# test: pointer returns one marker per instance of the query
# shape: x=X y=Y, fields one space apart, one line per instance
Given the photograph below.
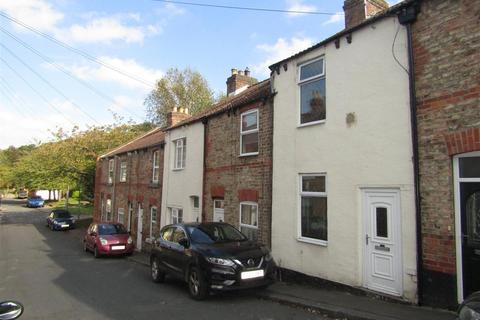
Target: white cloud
x=280 y=50
x=298 y=5
x=36 y=13
x=170 y=10
x=128 y=66
x=337 y=17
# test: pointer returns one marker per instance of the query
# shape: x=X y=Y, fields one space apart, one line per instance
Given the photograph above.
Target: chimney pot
x=234 y=71
x=239 y=79
x=240 y=72
x=247 y=72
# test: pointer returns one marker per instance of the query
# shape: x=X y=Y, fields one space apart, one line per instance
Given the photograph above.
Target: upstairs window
x=311 y=80
x=249 y=133
x=180 y=153
x=156 y=166
x=111 y=167
x=123 y=171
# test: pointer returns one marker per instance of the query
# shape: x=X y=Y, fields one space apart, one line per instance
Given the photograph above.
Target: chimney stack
x=177 y=115
x=357 y=11
x=239 y=81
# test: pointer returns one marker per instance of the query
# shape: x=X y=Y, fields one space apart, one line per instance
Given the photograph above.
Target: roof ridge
x=148 y=133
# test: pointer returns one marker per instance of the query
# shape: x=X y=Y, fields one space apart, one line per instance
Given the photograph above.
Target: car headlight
x=467 y=313
x=103 y=241
x=220 y=261
x=130 y=240
x=55 y=222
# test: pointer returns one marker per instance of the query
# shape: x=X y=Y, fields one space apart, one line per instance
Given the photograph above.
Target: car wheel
x=196 y=284
x=96 y=254
x=157 y=274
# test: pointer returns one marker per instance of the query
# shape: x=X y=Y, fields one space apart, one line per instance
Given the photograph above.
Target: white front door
x=382 y=241
x=139 y=226
x=218 y=211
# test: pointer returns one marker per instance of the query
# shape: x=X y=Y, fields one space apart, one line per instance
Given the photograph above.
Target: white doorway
x=218 y=210
x=139 y=226
x=382 y=241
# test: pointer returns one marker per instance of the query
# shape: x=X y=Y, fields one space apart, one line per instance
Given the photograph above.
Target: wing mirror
x=184 y=242
x=470 y=308
x=10 y=310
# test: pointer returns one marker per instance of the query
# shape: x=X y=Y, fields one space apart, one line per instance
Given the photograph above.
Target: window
x=156 y=166
x=249 y=133
x=109 y=209
x=167 y=233
x=178 y=235
x=180 y=153
x=123 y=171
x=176 y=215
x=153 y=219
x=311 y=81
x=195 y=202
x=111 y=166
x=121 y=215
x=313 y=208
x=102 y=218
x=130 y=215
x=249 y=219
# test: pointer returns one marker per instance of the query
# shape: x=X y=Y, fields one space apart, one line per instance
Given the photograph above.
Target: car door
x=162 y=250
x=178 y=253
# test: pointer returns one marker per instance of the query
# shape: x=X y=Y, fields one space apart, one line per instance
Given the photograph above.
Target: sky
x=61 y=75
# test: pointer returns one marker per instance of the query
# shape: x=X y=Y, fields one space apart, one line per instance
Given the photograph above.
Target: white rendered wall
x=180 y=185
x=376 y=151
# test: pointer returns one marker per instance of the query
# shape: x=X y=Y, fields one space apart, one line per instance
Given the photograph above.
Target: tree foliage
x=68 y=160
x=178 y=89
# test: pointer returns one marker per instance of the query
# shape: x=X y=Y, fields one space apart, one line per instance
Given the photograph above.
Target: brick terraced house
x=128 y=186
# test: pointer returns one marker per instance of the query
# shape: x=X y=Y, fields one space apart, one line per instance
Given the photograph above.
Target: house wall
x=137 y=189
x=236 y=178
x=180 y=185
x=446 y=44
x=374 y=151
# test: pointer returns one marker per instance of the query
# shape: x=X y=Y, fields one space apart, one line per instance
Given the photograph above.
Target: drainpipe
x=114 y=182
x=205 y=132
x=407 y=17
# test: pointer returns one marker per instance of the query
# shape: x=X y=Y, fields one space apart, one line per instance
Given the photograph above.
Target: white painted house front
x=183 y=174
x=343 y=184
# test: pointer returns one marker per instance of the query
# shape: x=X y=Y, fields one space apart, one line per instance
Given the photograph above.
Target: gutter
x=406 y=17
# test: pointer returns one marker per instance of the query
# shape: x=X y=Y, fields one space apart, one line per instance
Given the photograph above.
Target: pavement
x=338 y=304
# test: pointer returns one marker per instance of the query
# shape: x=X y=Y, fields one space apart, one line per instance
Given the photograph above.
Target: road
x=51 y=275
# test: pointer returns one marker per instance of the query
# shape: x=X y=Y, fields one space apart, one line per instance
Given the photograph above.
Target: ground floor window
x=153 y=219
x=249 y=219
x=121 y=216
x=313 y=208
x=176 y=215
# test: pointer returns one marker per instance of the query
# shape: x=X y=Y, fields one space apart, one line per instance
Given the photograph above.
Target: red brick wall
x=137 y=189
x=239 y=178
x=446 y=43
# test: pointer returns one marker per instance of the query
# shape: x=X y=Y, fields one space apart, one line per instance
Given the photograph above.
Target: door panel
x=139 y=227
x=382 y=246
x=470 y=218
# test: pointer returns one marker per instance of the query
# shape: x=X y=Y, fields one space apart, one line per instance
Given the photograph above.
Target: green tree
x=178 y=89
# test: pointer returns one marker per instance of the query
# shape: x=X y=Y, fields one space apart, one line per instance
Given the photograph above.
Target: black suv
x=210 y=257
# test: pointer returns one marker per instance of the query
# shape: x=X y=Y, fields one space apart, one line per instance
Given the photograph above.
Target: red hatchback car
x=108 y=239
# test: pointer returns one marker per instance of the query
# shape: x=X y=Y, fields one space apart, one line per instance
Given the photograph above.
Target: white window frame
x=174 y=214
x=152 y=221
x=179 y=151
x=121 y=212
x=310 y=194
x=242 y=133
x=123 y=171
x=111 y=170
x=305 y=81
x=249 y=203
x=130 y=215
x=156 y=166
x=108 y=210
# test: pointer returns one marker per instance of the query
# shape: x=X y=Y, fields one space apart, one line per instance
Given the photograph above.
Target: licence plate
x=118 y=247
x=65 y=226
x=252 y=274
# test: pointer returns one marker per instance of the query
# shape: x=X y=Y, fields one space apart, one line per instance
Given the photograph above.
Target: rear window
x=108 y=229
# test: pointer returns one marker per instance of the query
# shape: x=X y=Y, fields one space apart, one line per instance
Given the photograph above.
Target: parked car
x=22 y=194
x=60 y=219
x=108 y=239
x=35 y=202
x=10 y=310
x=470 y=308
x=210 y=257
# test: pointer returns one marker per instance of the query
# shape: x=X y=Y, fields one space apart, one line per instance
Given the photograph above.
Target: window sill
x=248 y=226
x=308 y=124
x=177 y=169
x=154 y=185
x=248 y=154
x=318 y=242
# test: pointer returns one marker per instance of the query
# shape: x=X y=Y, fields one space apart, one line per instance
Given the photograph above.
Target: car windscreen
x=61 y=214
x=108 y=229
x=214 y=233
